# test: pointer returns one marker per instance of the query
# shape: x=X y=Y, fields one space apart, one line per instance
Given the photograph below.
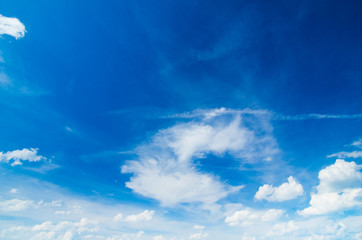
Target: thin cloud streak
x=211 y=113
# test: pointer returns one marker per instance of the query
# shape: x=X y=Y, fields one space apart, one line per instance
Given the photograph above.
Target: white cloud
x=159 y=237
x=127 y=236
x=11 y=26
x=339 y=189
x=165 y=167
x=13 y=190
x=4 y=80
x=15 y=205
x=249 y=216
x=283 y=228
x=118 y=217
x=18 y=156
x=247 y=237
x=357 y=143
x=199 y=235
x=198 y=227
x=287 y=191
x=354 y=154
x=144 y=216
x=64 y=230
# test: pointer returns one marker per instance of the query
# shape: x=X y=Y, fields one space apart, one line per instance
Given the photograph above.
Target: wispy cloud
x=165 y=167
x=316 y=116
x=11 y=26
x=353 y=154
x=214 y=112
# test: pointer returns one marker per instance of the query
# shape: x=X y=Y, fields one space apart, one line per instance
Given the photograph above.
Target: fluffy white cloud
x=287 y=191
x=146 y=215
x=171 y=183
x=143 y=216
x=165 y=171
x=64 y=230
x=249 y=216
x=339 y=189
x=15 y=205
x=11 y=26
x=19 y=156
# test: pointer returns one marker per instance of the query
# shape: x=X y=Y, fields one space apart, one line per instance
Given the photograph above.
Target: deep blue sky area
x=186 y=108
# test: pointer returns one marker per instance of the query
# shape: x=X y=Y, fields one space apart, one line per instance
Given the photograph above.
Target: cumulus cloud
x=15 y=205
x=64 y=229
x=144 y=216
x=17 y=157
x=287 y=191
x=11 y=26
x=165 y=167
x=339 y=189
x=249 y=216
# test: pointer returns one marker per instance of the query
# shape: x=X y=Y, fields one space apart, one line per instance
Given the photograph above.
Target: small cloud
x=11 y=26
x=18 y=156
x=144 y=216
x=159 y=237
x=4 y=79
x=69 y=129
x=199 y=235
x=14 y=190
x=249 y=217
x=118 y=217
x=62 y=212
x=357 y=143
x=283 y=228
x=56 y=203
x=287 y=191
x=14 y=205
x=198 y=227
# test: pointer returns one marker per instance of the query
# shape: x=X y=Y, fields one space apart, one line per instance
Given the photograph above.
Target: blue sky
x=180 y=120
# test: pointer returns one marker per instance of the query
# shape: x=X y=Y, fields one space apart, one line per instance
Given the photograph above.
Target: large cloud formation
x=340 y=188
x=165 y=170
